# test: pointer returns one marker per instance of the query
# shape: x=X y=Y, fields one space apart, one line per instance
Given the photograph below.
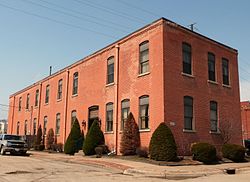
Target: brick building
x=245 y=117
x=161 y=72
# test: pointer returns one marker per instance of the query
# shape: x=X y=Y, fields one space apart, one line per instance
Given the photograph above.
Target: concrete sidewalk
x=135 y=168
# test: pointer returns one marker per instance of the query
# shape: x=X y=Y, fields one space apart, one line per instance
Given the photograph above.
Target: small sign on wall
x=172 y=123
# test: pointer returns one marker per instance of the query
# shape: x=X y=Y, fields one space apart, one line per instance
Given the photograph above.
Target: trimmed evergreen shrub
x=204 y=152
x=234 y=152
x=130 y=137
x=50 y=138
x=38 y=140
x=162 y=145
x=74 y=140
x=93 y=138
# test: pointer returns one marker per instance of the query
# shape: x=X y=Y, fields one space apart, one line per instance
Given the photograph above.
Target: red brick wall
x=177 y=85
x=245 y=117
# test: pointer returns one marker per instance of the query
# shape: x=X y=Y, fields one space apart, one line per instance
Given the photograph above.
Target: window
x=109 y=117
x=28 y=101
x=225 y=71
x=188 y=113
x=25 y=127
x=36 y=98
x=18 y=128
x=214 y=116
x=20 y=104
x=59 y=90
x=125 y=112
x=34 y=126
x=73 y=117
x=45 y=121
x=75 y=84
x=144 y=112
x=187 y=58
x=110 y=70
x=58 y=124
x=211 y=67
x=144 y=57
x=47 y=95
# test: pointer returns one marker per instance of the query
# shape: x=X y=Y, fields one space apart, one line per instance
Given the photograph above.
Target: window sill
x=75 y=95
x=108 y=132
x=35 y=107
x=188 y=131
x=58 y=100
x=215 y=132
x=46 y=104
x=144 y=130
x=226 y=86
x=212 y=82
x=110 y=84
x=187 y=75
x=143 y=74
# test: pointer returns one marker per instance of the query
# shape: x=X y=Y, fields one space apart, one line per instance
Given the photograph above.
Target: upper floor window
x=28 y=101
x=59 y=90
x=188 y=113
x=75 y=84
x=58 y=123
x=73 y=117
x=187 y=58
x=36 y=98
x=45 y=122
x=110 y=70
x=225 y=71
x=25 y=127
x=18 y=128
x=211 y=67
x=144 y=112
x=144 y=57
x=125 y=112
x=109 y=117
x=214 y=116
x=20 y=104
x=47 y=95
x=34 y=126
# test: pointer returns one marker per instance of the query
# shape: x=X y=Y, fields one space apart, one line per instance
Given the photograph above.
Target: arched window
x=18 y=128
x=144 y=112
x=47 y=95
x=125 y=105
x=73 y=117
x=110 y=70
x=75 y=84
x=25 y=127
x=214 y=116
x=58 y=119
x=144 y=57
x=45 y=122
x=109 y=117
x=211 y=67
x=187 y=58
x=188 y=113
x=59 y=89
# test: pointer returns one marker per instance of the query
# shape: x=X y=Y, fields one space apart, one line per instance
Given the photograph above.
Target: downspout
x=66 y=106
x=39 y=105
x=116 y=95
x=13 y=111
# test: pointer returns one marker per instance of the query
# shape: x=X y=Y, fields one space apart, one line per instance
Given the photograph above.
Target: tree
x=39 y=135
x=162 y=145
x=93 y=138
x=130 y=137
x=226 y=131
x=74 y=141
x=50 y=138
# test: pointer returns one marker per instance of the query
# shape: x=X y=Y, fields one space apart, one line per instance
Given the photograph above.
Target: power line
x=84 y=14
x=74 y=16
x=57 y=21
x=111 y=11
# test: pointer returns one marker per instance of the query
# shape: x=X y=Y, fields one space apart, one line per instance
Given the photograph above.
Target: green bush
x=233 y=152
x=74 y=141
x=204 y=152
x=130 y=137
x=94 y=138
x=162 y=145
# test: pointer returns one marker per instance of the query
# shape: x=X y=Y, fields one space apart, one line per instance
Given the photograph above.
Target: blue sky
x=36 y=34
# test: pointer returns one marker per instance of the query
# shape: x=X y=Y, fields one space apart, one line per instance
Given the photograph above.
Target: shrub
x=142 y=152
x=162 y=145
x=94 y=138
x=38 y=140
x=50 y=139
x=233 y=152
x=204 y=152
x=130 y=137
x=74 y=140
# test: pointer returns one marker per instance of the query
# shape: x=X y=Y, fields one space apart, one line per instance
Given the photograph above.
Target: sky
x=37 y=34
